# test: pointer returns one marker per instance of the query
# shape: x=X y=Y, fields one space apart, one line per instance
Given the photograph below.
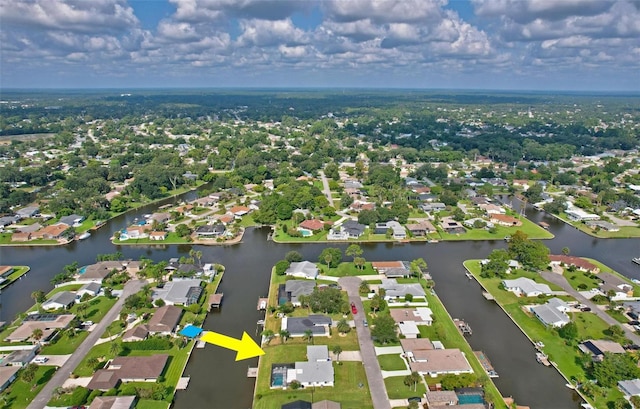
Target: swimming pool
x=82 y=270
x=467 y=399
x=305 y=232
x=279 y=375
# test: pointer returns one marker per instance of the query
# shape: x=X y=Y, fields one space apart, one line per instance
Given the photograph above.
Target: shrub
x=149 y=344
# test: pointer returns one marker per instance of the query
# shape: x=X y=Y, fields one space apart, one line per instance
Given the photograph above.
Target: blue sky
x=466 y=44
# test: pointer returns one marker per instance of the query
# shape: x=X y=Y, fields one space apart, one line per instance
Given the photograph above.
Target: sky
x=586 y=45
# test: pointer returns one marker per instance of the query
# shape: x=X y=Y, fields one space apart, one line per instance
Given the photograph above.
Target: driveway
x=64 y=372
x=559 y=279
x=371 y=365
x=326 y=190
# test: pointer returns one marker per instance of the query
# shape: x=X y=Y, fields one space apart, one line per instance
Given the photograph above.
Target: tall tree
x=417 y=266
x=354 y=251
x=337 y=350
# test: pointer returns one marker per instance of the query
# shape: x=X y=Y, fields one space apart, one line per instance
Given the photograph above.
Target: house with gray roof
x=72 y=220
x=297 y=326
x=317 y=353
x=92 y=288
x=165 y=320
x=27 y=212
x=397 y=231
x=296 y=288
x=302 y=269
x=526 y=287
x=630 y=387
x=314 y=373
x=63 y=299
x=183 y=292
x=20 y=357
x=550 y=315
x=8 y=374
x=353 y=229
x=395 y=290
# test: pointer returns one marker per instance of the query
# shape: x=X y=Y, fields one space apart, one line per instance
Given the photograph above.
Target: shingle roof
x=165 y=319
x=62 y=298
x=315 y=323
x=314 y=372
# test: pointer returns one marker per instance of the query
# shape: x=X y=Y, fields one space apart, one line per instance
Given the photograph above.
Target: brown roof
x=503 y=218
x=312 y=224
x=24 y=331
x=139 y=367
x=574 y=261
x=215 y=298
x=440 y=361
x=104 y=379
x=226 y=218
x=416 y=344
x=54 y=230
x=101 y=269
x=158 y=234
x=383 y=265
x=4 y=269
x=21 y=237
x=423 y=225
x=441 y=397
x=113 y=402
x=6 y=372
x=239 y=209
x=165 y=319
x=405 y=314
x=136 y=333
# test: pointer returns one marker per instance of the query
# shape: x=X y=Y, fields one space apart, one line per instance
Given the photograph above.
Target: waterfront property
x=48 y=323
x=128 y=369
x=179 y=291
x=297 y=326
x=553 y=313
x=525 y=287
x=302 y=269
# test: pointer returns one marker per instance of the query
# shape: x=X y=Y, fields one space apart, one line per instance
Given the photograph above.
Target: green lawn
x=624 y=232
x=532 y=230
x=152 y=404
x=5 y=238
x=18 y=272
x=65 y=345
x=97 y=308
x=391 y=362
x=21 y=393
x=348 y=269
x=580 y=280
x=396 y=389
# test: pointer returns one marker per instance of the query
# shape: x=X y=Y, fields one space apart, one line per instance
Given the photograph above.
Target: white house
x=553 y=313
x=525 y=287
x=578 y=215
x=92 y=288
x=630 y=388
x=302 y=269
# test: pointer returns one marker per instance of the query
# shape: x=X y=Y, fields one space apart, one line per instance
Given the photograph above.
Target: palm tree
x=359 y=262
x=566 y=251
x=114 y=348
x=37 y=335
x=82 y=309
x=364 y=287
x=343 y=326
x=267 y=334
x=38 y=297
x=284 y=335
x=412 y=379
x=337 y=350
x=308 y=336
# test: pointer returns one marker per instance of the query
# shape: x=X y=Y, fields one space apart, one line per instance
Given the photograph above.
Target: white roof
x=527 y=285
x=549 y=315
x=408 y=328
x=632 y=387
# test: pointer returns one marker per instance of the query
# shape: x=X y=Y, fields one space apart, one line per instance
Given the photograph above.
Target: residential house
x=100 y=270
x=526 y=287
x=61 y=300
x=137 y=333
x=184 y=292
x=417 y=344
x=421 y=229
x=438 y=362
x=504 y=220
x=136 y=232
x=27 y=212
x=8 y=374
x=295 y=288
x=600 y=224
x=420 y=315
x=92 y=288
x=48 y=323
x=51 y=232
x=21 y=237
x=597 y=348
x=358 y=206
x=210 y=231
x=158 y=218
x=441 y=398
x=206 y=201
x=165 y=320
x=73 y=220
x=303 y=269
x=297 y=404
x=353 y=229
x=312 y=224
x=578 y=215
x=317 y=353
x=226 y=219
x=577 y=262
x=239 y=211
x=383 y=266
x=128 y=369
x=395 y=290
x=433 y=206
x=630 y=387
x=113 y=402
x=492 y=209
x=316 y=323
x=7 y=221
x=313 y=374
x=615 y=287
x=20 y=357
x=408 y=329
x=552 y=314
x=451 y=226
x=397 y=231
x=158 y=235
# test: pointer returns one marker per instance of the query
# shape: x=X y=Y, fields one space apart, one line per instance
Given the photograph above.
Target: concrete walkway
x=559 y=279
x=58 y=379
x=369 y=360
x=389 y=350
x=391 y=374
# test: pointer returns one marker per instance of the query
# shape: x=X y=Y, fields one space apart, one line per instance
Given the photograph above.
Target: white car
x=40 y=360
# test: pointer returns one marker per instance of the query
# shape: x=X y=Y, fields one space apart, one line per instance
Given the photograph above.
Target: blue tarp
x=190 y=331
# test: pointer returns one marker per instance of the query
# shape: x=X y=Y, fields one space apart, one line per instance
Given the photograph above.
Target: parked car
x=354 y=309
x=40 y=360
x=365 y=323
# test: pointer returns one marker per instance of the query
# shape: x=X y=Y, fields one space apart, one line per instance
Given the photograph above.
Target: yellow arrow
x=246 y=347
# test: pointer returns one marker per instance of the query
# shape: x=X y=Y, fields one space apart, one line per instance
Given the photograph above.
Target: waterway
x=217 y=381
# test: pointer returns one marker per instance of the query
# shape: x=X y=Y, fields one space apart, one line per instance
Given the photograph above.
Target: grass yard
x=392 y=362
x=152 y=404
x=97 y=308
x=65 y=344
x=580 y=280
x=624 y=232
x=5 y=238
x=21 y=393
x=396 y=389
x=348 y=269
x=532 y=230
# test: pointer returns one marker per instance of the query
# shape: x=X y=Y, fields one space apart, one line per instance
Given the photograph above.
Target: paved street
x=369 y=359
x=559 y=279
x=63 y=373
x=326 y=190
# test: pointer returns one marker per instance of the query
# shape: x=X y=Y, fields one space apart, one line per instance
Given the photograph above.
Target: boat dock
x=200 y=344
x=183 y=383
x=486 y=364
x=544 y=225
x=262 y=304
x=215 y=300
x=542 y=359
x=463 y=327
x=252 y=372
x=488 y=296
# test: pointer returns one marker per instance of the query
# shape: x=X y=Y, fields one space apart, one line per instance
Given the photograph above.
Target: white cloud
x=264 y=33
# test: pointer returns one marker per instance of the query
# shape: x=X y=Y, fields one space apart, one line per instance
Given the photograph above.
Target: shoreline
x=553 y=364
x=16 y=277
x=235 y=240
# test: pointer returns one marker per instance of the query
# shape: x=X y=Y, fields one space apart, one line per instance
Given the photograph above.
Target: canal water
x=217 y=381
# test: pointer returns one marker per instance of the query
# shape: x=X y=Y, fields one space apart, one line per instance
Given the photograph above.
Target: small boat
x=84 y=235
x=544 y=225
x=542 y=359
x=636 y=260
x=469 y=275
x=635 y=281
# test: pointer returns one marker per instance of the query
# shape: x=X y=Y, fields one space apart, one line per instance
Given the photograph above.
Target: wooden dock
x=463 y=327
x=486 y=364
x=215 y=300
x=262 y=304
x=252 y=372
x=488 y=296
x=200 y=344
x=542 y=359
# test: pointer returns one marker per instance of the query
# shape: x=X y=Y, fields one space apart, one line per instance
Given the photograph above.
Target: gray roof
x=632 y=387
x=527 y=285
x=393 y=289
x=22 y=357
x=315 y=323
x=298 y=288
x=28 y=211
x=71 y=219
x=306 y=268
x=297 y=404
x=549 y=315
x=314 y=372
x=63 y=298
x=317 y=353
x=176 y=292
x=92 y=286
x=353 y=227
